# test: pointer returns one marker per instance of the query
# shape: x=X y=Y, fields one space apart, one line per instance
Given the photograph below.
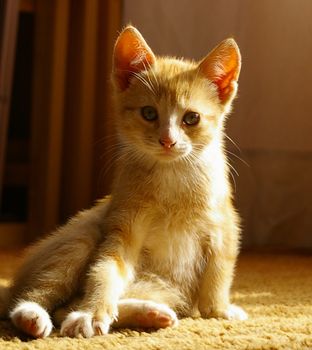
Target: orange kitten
x=164 y=244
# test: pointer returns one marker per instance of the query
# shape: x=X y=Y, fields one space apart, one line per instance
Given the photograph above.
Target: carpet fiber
x=276 y=291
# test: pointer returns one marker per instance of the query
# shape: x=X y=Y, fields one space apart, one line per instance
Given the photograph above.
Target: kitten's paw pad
x=32 y=319
x=153 y=315
x=77 y=323
x=235 y=312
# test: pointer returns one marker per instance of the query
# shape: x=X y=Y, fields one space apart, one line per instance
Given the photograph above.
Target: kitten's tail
x=4 y=301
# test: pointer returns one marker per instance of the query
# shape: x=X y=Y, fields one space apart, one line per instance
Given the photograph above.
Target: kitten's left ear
x=131 y=55
x=222 y=67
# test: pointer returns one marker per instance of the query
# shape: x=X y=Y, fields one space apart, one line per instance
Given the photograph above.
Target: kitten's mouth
x=170 y=154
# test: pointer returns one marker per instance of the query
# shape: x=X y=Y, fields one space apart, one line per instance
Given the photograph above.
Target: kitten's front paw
x=235 y=312
x=32 y=319
x=77 y=323
x=82 y=323
x=232 y=312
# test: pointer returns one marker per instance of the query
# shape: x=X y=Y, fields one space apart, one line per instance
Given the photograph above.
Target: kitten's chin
x=170 y=156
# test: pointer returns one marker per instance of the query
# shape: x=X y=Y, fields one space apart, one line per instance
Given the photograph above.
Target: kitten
x=164 y=244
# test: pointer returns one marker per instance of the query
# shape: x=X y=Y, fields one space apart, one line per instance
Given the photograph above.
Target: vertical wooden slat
x=110 y=12
x=8 y=31
x=27 y=6
x=80 y=101
x=74 y=39
x=52 y=18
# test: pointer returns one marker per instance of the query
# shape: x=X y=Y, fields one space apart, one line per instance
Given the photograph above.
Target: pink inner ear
x=131 y=55
x=222 y=67
x=224 y=84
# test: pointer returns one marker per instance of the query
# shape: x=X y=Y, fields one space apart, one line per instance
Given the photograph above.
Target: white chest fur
x=175 y=224
x=172 y=251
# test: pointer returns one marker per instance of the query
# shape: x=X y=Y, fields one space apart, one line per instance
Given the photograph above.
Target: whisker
x=234 y=182
x=144 y=82
x=108 y=165
x=236 y=156
x=149 y=79
x=228 y=137
x=141 y=79
x=231 y=166
x=152 y=70
x=154 y=75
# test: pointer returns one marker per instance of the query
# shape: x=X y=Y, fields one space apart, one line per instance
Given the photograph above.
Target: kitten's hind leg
x=52 y=271
x=32 y=319
x=133 y=313
x=144 y=314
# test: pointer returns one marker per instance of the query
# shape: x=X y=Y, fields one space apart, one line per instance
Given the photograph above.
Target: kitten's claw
x=100 y=328
x=81 y=323
x=77 y=323
x=32 y=319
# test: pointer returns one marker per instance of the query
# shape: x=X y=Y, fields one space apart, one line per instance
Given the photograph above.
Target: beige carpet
x=276 y=291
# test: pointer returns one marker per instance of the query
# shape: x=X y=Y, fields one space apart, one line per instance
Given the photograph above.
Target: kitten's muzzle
x=167 y=142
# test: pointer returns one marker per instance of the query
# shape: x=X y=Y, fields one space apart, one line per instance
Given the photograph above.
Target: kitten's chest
x=173 y=249
x=174 y=226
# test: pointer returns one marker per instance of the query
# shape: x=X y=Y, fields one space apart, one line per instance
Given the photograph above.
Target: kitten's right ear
x=131 y=55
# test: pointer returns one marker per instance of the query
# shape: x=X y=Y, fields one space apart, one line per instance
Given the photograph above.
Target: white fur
x=235 y=312
x=32 y=319
x=81 y=323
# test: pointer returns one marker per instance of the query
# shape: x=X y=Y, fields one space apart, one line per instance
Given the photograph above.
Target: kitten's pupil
x=149 y=113
x=191 y=118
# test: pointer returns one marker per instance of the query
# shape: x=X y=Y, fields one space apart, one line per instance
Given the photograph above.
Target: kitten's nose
x=167 y=142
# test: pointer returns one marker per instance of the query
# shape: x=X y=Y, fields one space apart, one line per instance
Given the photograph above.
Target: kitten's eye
x=149 y=113
x=191 y=118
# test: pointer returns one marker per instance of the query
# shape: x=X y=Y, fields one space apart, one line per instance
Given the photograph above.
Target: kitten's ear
x=222 y=67
x=131 y=55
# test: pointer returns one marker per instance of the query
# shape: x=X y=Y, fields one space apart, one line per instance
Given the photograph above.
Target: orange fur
x=169 y=232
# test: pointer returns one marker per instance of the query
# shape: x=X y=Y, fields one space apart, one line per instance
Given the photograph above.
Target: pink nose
x=167 y=142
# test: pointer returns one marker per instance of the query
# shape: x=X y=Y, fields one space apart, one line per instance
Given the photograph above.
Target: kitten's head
x=167 y=108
